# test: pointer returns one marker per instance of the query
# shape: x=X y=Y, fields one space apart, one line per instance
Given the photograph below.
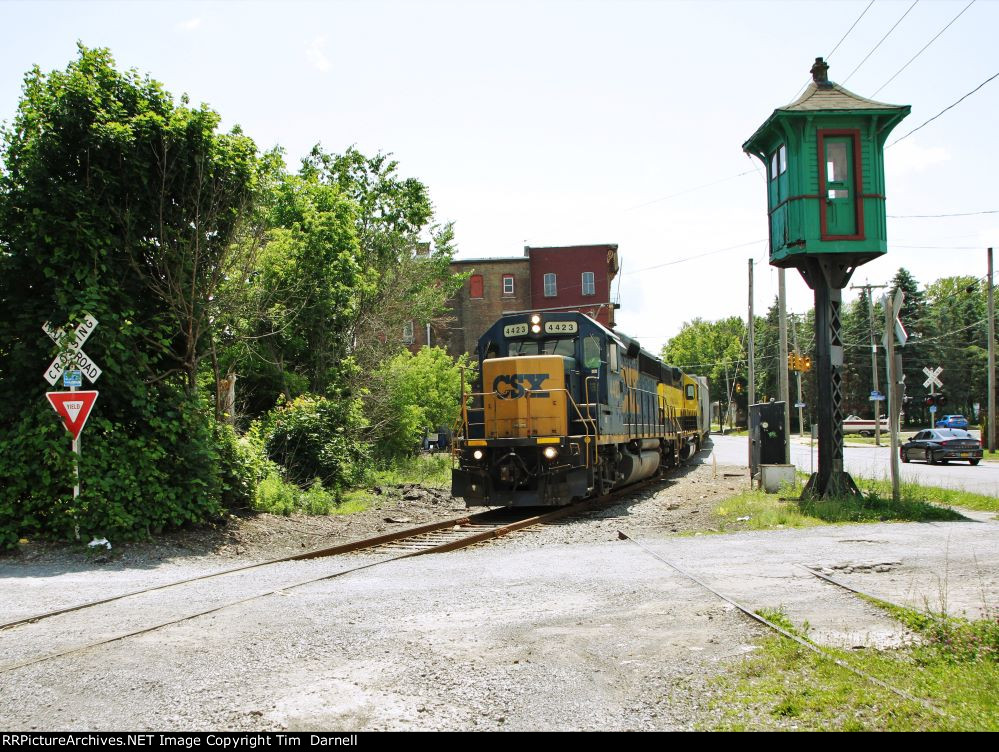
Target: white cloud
x=316 y=55
x=908 y=157
x=191 y=24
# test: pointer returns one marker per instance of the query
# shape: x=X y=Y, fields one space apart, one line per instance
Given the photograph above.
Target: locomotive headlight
x=535 y=319
x=550 y=453
x=477 y=454
x=536 y=328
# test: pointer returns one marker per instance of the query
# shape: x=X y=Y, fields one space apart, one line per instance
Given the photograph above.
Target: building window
x=550 y=288
x=407 y=333
x=475 y=286
x=589 y=285
x=508 y=284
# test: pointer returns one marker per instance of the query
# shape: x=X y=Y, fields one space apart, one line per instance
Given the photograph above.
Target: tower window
x=589 y=285
x=551 y=289
x=508 y=284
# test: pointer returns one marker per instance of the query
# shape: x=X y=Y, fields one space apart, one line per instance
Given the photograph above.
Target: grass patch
x=783 y=685
x=917 y=504
x=947 y=496
x=432 y=470
x=277 y=496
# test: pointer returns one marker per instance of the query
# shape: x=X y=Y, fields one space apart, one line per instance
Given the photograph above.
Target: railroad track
x=438 y=537
x=790 y=635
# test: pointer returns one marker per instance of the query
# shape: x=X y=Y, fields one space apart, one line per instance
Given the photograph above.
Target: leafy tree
x=117 y=201
x=294 y=336
x=715 y=349
x=405 y=255
x=957 y=320
x=413 y=393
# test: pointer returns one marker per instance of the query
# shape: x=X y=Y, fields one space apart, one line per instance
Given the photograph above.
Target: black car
x=942 y=445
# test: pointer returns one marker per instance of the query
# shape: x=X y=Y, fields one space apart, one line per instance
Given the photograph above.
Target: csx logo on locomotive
x=515 y=386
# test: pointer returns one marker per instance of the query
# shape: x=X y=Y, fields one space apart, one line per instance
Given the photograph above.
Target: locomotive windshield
x=563 y=346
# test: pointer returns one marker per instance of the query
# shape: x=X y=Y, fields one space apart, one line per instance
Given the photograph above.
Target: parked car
x=952 y=421
x=942 y=445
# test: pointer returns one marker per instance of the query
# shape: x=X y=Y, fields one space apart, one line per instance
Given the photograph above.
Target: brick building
x=576 y=278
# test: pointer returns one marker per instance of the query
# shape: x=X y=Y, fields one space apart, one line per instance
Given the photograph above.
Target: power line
x=697 y=256
x=935 y=216
x=924 y=48
x=863 y=13
x=851 y=29
x=994 y=76
x=688 y=190
x=873 y=49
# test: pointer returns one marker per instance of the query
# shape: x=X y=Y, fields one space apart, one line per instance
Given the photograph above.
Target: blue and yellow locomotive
x=565 y=408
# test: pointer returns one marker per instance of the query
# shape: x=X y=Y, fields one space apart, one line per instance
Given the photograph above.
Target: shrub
x=314 y=438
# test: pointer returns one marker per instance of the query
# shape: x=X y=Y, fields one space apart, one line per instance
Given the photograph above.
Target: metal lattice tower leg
x=827 y=277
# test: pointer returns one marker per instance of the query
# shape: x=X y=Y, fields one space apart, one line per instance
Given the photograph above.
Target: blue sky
x=557 y=123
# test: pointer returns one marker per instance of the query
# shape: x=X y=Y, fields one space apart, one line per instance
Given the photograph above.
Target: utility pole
x=892 y=387
x=751 y=391
x=992 y=361
x=801 y=410
x=782 y=362
x=874 y=357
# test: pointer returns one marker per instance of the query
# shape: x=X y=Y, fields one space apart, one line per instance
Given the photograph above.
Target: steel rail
x=318 y=553
x=790 y=635
x=451 y=545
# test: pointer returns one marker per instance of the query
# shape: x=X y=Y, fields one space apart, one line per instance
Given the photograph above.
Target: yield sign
x=74 y=408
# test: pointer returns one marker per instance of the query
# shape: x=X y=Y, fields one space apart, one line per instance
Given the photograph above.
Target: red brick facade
x=485 y=297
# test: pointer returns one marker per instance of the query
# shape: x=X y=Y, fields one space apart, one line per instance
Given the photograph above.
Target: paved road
x=873 y=462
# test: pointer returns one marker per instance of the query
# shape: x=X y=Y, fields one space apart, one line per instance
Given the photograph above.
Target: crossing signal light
x=941 y=399
x=929 y=400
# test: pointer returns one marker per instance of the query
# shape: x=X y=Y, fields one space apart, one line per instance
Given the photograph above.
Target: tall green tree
x=118 y=201
x=405 y=254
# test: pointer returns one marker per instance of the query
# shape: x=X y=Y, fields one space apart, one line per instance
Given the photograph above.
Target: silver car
x=940 y=445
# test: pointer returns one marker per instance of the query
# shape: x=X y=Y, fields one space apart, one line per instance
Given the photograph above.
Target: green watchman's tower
x=824 y=159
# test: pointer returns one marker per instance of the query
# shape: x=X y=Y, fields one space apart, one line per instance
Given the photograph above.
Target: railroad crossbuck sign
x=74 y=409
x=76 y=357
x=901 y=336
x=933 y=377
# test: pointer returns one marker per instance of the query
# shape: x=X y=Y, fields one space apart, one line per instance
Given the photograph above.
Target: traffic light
x=806 y=363
x=738 y=388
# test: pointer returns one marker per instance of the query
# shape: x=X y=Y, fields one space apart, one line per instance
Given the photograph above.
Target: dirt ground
x=688 y=497
x=562 y=626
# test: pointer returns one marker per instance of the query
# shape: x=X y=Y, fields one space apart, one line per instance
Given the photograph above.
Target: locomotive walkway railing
x=589 y=423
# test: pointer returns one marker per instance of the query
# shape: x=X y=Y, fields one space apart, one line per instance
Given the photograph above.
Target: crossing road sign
x=74 y=409
x=76 y=358
x=932 y=377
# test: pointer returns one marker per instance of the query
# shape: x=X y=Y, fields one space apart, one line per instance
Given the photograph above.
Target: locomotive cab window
x=612 y=357
x=591 y=351
x=691 y=392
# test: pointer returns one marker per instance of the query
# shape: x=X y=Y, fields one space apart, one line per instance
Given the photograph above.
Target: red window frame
x=858 y=179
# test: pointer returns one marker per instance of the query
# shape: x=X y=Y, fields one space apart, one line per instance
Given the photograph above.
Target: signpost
x=72 y=364
x=931 y=383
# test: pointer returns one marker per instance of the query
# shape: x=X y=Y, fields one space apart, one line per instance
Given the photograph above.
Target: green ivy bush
x=314 y=438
